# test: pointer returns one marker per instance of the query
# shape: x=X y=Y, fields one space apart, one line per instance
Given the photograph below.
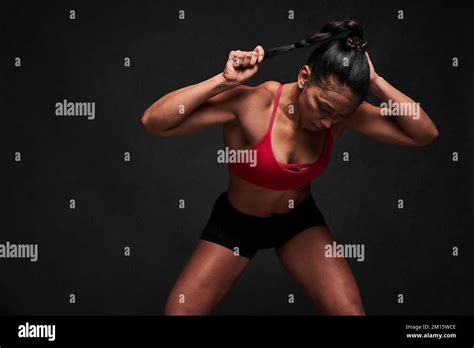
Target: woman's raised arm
x=210 y=102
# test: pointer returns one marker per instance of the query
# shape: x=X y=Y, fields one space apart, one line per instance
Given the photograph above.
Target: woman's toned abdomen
x=259 y=201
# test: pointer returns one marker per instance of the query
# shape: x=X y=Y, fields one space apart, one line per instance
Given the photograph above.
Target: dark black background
x=136 y=203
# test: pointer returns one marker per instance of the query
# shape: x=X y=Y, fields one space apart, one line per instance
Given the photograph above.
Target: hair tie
x=356 y=42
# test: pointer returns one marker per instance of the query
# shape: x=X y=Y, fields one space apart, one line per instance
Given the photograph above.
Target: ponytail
x=318 y=38
x=329 y=32
x=339 y=54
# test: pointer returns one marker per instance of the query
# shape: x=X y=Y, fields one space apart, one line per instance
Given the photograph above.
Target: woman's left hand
x=373 y=74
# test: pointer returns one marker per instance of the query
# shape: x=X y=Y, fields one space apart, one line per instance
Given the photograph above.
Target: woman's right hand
x=242 y=65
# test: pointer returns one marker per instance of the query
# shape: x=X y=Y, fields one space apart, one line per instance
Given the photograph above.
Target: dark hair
x=340 y=54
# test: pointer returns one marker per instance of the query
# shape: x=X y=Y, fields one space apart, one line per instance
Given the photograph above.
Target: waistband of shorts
x=301 y=207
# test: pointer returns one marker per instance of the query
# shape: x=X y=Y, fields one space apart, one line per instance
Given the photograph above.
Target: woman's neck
x=289 y=97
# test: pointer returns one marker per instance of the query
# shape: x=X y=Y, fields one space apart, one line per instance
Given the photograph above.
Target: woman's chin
x=313 y=128
x=310 y=127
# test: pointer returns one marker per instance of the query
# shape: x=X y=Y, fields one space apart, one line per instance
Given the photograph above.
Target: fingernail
x=260 y=58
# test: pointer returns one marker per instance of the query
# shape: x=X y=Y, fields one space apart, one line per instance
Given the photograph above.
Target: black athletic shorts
x=245 y=234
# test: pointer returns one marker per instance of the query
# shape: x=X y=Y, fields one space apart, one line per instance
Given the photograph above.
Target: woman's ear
x=304 y=76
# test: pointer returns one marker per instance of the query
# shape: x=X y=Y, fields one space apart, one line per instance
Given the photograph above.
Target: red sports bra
x=271 y=174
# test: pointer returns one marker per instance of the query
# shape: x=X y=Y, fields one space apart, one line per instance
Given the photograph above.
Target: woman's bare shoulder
x=258 y=97
x=270 y=87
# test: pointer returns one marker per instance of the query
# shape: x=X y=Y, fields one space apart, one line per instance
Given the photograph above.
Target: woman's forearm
x=408 y=113
x=174 y=107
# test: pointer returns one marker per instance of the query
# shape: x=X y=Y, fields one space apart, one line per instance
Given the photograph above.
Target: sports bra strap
x=275 y=106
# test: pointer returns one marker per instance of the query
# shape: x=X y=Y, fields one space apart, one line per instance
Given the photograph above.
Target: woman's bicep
x=220 y=109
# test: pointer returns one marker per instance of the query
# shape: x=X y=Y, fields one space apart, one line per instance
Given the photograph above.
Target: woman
x=291 y=128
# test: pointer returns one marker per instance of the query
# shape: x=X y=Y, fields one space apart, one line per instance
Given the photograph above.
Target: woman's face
x=322 y=107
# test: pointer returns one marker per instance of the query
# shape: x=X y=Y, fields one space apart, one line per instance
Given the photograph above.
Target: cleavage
x=300 y=146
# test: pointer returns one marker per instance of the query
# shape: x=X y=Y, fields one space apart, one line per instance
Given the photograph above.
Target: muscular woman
x=291 y=127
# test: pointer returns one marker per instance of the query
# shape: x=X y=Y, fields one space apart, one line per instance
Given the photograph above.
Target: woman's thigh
x=205 y=279
x=328 y=281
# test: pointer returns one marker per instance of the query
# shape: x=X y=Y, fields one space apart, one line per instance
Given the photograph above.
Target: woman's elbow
x=149 y=125
x=433 y=135
x=145 y=117
x=429 y=138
